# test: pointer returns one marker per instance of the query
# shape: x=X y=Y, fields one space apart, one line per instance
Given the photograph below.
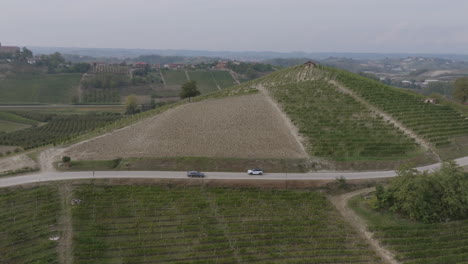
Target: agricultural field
x=159 y=224
x=438 y=124
x=58 y=129
x=39 y=89
x=28 y=219
x=223 y=78
x=174 y=77
x=337 y=126
x=205 y=81
x=415 y=242
x=101 y=96
x=10 y=127
x=240 y=126
x=14 y=118
x=38 y=113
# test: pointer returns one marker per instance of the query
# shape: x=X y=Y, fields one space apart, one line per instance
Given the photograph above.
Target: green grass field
x=415 y=242
x=35 y=89
x=154 y=224
x=28 y=218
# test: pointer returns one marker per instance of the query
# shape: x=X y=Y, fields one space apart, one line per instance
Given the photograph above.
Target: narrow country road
x=55 y=176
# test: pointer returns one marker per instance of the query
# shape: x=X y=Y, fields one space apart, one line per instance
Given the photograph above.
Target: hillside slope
x=336 y=118
x=241 y=127
x=344 y=116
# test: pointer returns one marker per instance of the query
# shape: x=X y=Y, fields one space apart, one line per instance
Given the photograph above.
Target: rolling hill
x=341 y=120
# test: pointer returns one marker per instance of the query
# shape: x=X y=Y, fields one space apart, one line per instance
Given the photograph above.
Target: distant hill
x=236 y=55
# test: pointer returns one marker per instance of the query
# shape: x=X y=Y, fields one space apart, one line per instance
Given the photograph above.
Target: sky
x=382 y=26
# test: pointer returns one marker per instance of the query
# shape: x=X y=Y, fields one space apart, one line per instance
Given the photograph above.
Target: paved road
x=43 y=177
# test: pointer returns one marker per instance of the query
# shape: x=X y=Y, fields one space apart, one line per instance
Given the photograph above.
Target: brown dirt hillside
x=243 y=127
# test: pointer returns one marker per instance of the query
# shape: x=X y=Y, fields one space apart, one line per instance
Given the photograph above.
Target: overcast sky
x=409 y=26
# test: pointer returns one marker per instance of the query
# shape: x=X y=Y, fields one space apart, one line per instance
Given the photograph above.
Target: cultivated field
x=152 y=224
x=223 y=78
x=10 y=127
x=438 y=124
x=174 y=77
x=28 y=219
x=205 y=81
x=337 y=126
x=30 y=88
x=415 y=242
x=57 y=129
x=242 y=127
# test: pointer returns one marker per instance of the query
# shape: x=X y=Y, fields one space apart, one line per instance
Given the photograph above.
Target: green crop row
x=436 y=123
x=416 y=242
x=28 y=218
x=135 y=224
x=60 y=128
x=335 y=125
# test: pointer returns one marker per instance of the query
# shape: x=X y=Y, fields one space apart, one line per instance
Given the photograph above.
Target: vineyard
x=223 y=78
x=36 y=88
x=174 y=77
x=151 y=224
x=28 y=219
x=415 y=242
x=438 y=124
x=334 y=124
x=59 y=129
x=205 y=81
x=15 y=118
x=110 y=69
x=101 y=96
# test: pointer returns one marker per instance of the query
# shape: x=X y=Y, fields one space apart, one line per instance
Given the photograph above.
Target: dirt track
x=243 y=127
x=341 y=203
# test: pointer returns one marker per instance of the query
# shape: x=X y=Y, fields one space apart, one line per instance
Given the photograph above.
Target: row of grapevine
x=438 y=124
x=28 y=219
x=335 y=125
x=101 y=96
x=415 y=242
x=59 y=129
x=150 y=224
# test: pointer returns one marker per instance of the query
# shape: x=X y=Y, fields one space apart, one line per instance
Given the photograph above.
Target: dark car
x=195 y=174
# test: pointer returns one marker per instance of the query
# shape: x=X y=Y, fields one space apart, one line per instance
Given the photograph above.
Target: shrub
x=427 y=197
x=66 y=159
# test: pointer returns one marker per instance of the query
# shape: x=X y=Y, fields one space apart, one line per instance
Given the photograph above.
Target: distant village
x=9 y=53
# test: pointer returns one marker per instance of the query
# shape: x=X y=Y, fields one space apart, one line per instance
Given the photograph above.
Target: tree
x=189 y=90
x=438 y=196
x=130 y=105
x=461 y=90
x=66 y=159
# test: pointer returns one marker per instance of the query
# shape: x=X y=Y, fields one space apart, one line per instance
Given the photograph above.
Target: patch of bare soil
x=16 y=162
x=243 y=127
x=341 y=203
x=48 y=157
